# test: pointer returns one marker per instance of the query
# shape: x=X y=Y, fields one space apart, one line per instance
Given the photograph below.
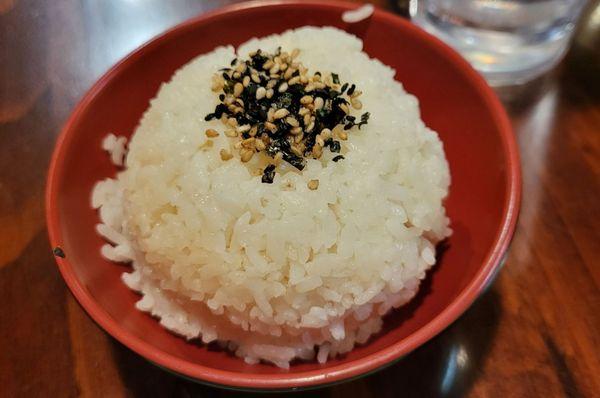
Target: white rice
x=360 y=14
x=276 y=273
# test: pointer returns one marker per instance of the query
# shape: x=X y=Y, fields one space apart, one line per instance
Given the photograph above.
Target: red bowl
x=455 y=101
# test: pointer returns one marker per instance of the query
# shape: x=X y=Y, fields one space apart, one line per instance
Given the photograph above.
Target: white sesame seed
x=260 y=145
x=231 y=133
x=246 y=81
x=295 y=53
x=296 y=150
x=244 y=128
x=268 y=65
x=225 y=154
x=271 y=127
x=280 y=113
x=310 y=127
x=238 y=89
x=313 y=184
x=274 y=69
x=270 y=93
x=319 y=141
x=212 y=133
x=283 y=88
x=292 y=121
x=319 y=103
x=246 y=155
x=260 y=93
x=241 y=67
x=307 y=99
x=307 y=119
x=326 y=134
x=317 y=151
x=248 y=142
x=356 y=104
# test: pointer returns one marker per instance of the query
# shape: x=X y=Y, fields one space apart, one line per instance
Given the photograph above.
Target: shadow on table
x=447 y=366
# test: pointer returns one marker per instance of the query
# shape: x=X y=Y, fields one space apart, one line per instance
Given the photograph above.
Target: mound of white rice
x=276 y=271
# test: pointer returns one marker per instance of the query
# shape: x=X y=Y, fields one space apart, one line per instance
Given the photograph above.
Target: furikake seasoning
x=272 y=105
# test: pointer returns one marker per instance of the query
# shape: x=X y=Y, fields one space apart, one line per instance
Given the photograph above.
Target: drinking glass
x=508 y=41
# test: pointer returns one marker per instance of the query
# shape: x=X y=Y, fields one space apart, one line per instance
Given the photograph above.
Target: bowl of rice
x=282 y=195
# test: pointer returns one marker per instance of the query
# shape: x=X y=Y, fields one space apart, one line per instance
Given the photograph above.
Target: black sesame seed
x=351 y=89
x=344 y=87
x=58 y=252
x=226 y=76
x=364 y=119
x=336 y=78
x=337 y=158
x=268 y=174
x=334 y=146
x=233 y=62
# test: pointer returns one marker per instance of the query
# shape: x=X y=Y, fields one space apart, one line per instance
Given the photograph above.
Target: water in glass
x=508 y=41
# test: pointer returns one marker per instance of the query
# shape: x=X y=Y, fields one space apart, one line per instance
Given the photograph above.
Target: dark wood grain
x=535 y=333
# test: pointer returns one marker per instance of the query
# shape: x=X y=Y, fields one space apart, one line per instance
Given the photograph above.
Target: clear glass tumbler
x=508 y=41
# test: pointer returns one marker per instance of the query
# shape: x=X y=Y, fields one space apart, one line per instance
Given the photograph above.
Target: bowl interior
x=451 y=103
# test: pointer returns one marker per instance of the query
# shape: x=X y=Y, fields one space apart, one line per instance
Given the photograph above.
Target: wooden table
x=535 y=333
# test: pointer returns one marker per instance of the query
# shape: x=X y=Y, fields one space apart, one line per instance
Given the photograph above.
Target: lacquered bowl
x=455 y=101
